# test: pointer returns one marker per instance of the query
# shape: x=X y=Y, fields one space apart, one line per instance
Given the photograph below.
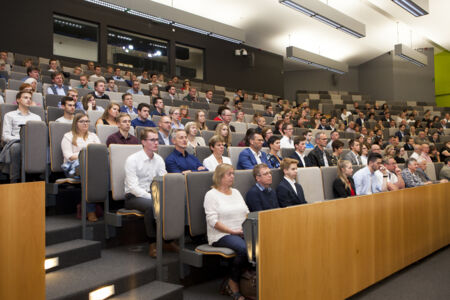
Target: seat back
x=234 y=155
x=202 y=152
x=94 y=115
x=277 y=176
x=10 y=97
x=243 y=181
x=103 y=103
x=240 y=127
x=52 y=100
x=104 y=131
x=6 y=108
x=438 y=167
x=94 y=173
x=114 y=96
x=311 y=181
x=287 y=152
x=140 y=99
x=54 y=113
x=56 y=133
x=197 y=185
x=207 y=134
x=171 y=208
x=34 y=147
x=328 y=176
x=236 y=138
x=117 y=156
x=165 y=150
x=431 y=171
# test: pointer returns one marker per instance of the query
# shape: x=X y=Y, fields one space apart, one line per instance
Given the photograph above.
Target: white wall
x=75 y=48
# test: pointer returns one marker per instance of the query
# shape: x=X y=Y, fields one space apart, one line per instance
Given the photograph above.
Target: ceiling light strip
x=411 y=55
x=147 y=16
x=190 y=28
x=320 y=11
x=108 y=5
x=315 y=60
x=411 y=7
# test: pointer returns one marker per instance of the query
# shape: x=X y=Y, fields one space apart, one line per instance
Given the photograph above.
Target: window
x=75 y=38
x=189 y=62
x=137 y=51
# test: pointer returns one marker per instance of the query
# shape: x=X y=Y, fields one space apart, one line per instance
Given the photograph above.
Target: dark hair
x=277 y=124
x=352 y=142
x=285 y=125
x=373 y=157
x=126 y=94
x=30 y=69
x=273 y=139
x=268 y=105
x=299 y=139
x=54 y=74
x=65 y=99
x=98 y=81
x=142 y=105
x=336 y=145
x=19 y=94
x=221 y=109
x=306 y=132
x=155 y=100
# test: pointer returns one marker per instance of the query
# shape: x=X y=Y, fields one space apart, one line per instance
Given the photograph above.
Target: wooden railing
x=334 y=249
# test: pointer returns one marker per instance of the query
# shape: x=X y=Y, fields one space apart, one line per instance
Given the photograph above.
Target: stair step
x=73 y=252
x=122 y=267
x=64 y=228
x=155 y=290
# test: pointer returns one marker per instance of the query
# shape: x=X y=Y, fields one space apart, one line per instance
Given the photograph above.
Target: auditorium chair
x=94 y=115
x=34 y=141
x=165 y=150
x=10 y=97
x=114 y=96
x=311 y=181
x=207 y=134
x=54 y=113
x=438 y=166
x=236 y=138
x=329 y=174
x=52 y=100
x=239 y=126
x=431 y=172
x=105 y=102
x=17 y=75
x=104 y=131
x=234 y=155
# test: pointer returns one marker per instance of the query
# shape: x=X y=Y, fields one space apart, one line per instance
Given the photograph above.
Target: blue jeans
x=240 y=261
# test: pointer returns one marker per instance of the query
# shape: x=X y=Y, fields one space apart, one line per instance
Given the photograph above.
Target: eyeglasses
x=84 y=121
x=151 y=140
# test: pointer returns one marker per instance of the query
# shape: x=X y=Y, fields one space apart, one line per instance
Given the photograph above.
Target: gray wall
x=319 y=80
x=376 y=77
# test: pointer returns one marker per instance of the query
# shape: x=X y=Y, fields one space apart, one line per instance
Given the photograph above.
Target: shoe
x=152 y=250
x=92 y=217
x=172 y=247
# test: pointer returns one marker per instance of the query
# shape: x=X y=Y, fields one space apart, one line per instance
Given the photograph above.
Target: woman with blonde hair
x=89 y=103
x=200 y=120
x=174 y=114
x=71 y=145
x=225 y=211
x=184 y=112
x=343 y=185
x=192 y=139
x=224 y=132
x=110 y=115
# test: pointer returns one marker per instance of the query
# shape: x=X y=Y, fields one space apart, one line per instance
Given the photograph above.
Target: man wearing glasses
x=261 y=196
x=318 y=157
x=164 y=131
x=140 y=169
x=287 y=141
x=225 y=115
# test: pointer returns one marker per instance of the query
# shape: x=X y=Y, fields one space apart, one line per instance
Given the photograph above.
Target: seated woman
x=338 y=148
x=200 y=120
x=154 y=92
x=273 y=157
x=71 y=145
x=225 y=211
x=192 y=139
x=240 y=116
x=267 y=133
x=343 y=185
x=217 y=147
x=289 y=192
x=278 y=126
x=88 y=102
x=174 y=114
x=110 y=115
x=223 y=131
x=401 y=155
x=184 y=112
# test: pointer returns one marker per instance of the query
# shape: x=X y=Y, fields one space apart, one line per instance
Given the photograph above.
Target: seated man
x=252 y=156
x=84 y=83
x=261 y=196
x=143 y=111
x=209 y=96
x=99 y=90
x=12 y=121
x=261 y=122
x=74 y=95
x=225 y=115
x=353 y=156
x=172 y=92
x=68 y=105
x=33 y=72
x=409 y=145
x=417 y=151
x=123 y=136
x=180 y=161
x=289 y=192
x=287 y=140
x=117 y=75
x=192 y=96
x=97 y=75
x=58 y=87
x=318 y=156
x=334 y=137
x=136 y=88
x=127 y=107
x=158 y=103
x=308 y=135
x=323 y=124
x=269 y=111
x=111 y=86
x=299 y=154
x=410 y=175
x=394 y=180
x=366 y=182
x=140 y=169
x=164 y=131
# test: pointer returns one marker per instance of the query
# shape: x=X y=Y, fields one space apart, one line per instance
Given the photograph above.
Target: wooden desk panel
x=334 y=249
x=22 y=241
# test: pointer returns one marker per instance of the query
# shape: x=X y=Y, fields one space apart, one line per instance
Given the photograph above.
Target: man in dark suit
x=361 y=120
x=269 y=111
x=323 y=124
x=299 y=154
x=401 y=133
x=261 y=196
x=289 y=192
x=164 y=131
x=252 y=156
x=409 y=145
x=318 y=156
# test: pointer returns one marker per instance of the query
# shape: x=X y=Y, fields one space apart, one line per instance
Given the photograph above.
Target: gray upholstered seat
x=56 y=133
x=431 y=171
x=114 y=96
x=94 y=115
x=117 y=157
x=287 y=152
x=165 y=150
x=34 y=148
x=210 y=250
x=52 y=100
x=236 y=138
x=328 y=176
x=243 y=181
x=240 y=127
x=10 y=97
x=103 y=102
x=311 y=181
x=104 y=131
x=207 y=134
x=234 y=154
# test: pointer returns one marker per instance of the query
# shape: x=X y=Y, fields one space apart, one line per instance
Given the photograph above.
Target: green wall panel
x=442 y=78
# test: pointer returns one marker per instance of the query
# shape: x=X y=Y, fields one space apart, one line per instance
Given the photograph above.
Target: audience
x=445 y=171
x=252 y=156
x=308 y=135
x=343 y=185
x=394 y=180
x=200 y=120
x=224 y=115
x=225 y=211
x=261 y=196
x=97 y=75
x=338 y=148
x=333 y=137
x=143 y=113
x=410 y=175
x=123 y=136
x=68 y=105
x=217 y=147
x=158 y=103
x=353 y=156
x=174 y=114
x=289 y=192
x=180 y=161
x=223 y=131
x=110 y=115
x=366 y=181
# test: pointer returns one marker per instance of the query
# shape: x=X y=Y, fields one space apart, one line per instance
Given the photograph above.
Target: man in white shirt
x=394 y=180
x=366 y=182
x=58 y=87
x=97 y=75
x=136 y=88
x=68 y=105
x=12 y=121
x=287 y=140
x=417 y=152
x=117 y=76
x=140 y=169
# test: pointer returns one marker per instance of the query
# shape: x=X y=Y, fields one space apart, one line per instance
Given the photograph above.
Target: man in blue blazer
x=253 y=155
x=289 y=192
x=261 y=196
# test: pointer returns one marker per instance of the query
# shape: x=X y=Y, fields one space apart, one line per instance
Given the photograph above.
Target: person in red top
x=343 y=185
x=224 y=116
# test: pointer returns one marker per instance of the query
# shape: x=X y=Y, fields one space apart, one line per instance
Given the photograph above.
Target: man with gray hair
x=334 y=137
x=318 y=156
x=394 y=179
x=410 y=176
x=180 y=161
x=417 y=152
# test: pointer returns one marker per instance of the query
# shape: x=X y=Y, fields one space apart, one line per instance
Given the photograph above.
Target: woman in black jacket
x=343 y=185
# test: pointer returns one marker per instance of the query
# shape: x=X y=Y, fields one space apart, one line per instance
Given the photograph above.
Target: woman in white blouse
x=217 y=147
x=225 y=211
x=192 y=139
x=72 y=143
